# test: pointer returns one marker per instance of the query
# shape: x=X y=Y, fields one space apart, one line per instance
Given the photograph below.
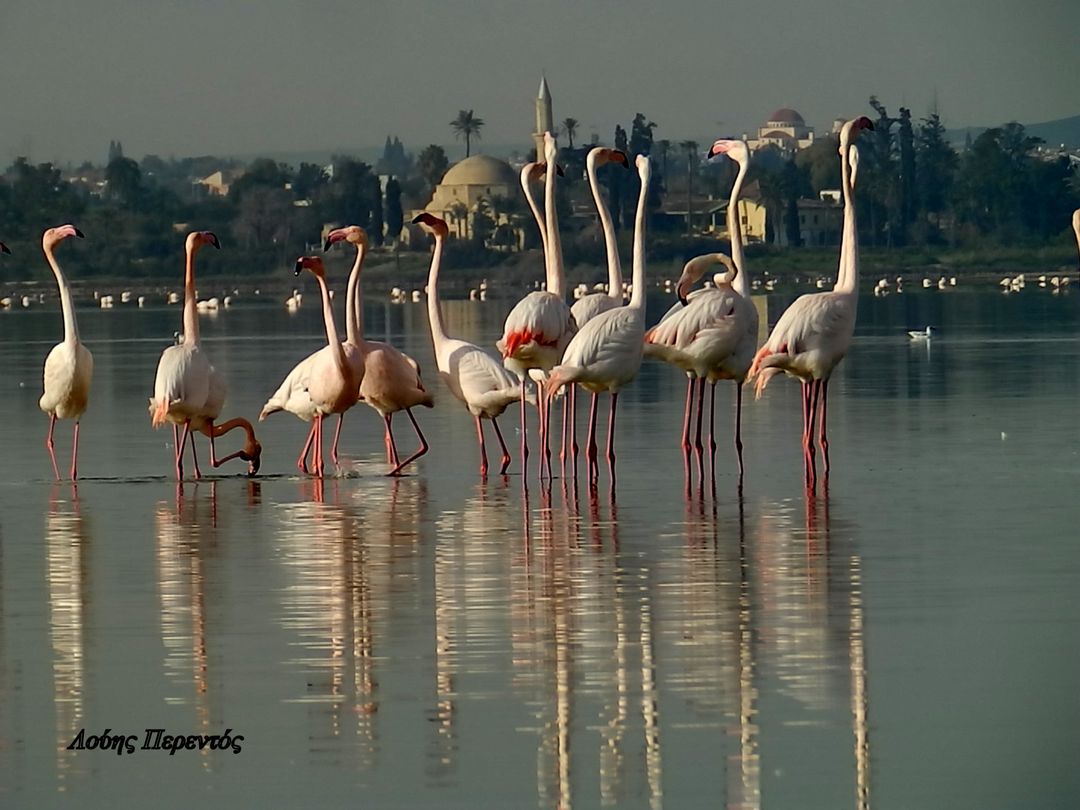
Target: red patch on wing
x=515 y=340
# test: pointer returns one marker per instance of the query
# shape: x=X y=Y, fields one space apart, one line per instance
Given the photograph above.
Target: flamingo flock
x=547 y=348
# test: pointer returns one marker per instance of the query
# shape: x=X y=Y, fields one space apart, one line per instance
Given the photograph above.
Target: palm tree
x=467 y=124
x=691 y=148
x=569 y=126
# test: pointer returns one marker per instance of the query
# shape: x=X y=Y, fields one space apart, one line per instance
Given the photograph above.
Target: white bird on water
x=919 y=335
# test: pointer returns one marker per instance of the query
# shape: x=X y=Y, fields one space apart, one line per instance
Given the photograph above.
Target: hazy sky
x=189 y=77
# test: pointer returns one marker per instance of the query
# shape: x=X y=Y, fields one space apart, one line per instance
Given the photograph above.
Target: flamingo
x=589 y=306
x=606 y=353
x=1076 y=226
x=69 y=367
x=714 y=335
x=475 y=377
x=187 y=386
x=292 y=395
x=252 y=450
x=333 y=384
x=814 y=333
x=540 y=326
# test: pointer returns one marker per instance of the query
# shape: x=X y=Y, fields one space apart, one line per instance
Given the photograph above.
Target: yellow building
x=465 y=184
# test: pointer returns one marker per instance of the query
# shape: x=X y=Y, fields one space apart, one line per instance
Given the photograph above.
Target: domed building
x=466 y=183
x=786 y=130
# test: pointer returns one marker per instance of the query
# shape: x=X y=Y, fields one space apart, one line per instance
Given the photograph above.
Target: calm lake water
x=908 y=639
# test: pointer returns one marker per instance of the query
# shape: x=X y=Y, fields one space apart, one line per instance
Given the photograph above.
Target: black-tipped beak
x=682 y=299
x=327 y=245
x=417 y=219
x=711 y=154
x=299 y=268
x=212 y=237
x=79 y=233
x=5 y=249
x=559 y=170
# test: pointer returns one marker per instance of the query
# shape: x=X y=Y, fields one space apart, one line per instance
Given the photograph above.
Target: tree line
x=914 y=189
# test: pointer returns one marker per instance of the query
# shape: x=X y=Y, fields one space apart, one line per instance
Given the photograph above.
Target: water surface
x=906 y=638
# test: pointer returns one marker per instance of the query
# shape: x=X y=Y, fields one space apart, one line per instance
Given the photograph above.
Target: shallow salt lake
x=906 y=637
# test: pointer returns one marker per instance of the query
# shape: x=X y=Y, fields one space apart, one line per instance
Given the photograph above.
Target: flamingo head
x=5 y=249
x=312 y=263
x=697 y=267
x=735 y=149
x=850 y=131
x=550 y=150
x=252 y=454
x=644 y=167
x=432 y=224
x=601 y=155
x=196 y=239
x=353 y=234
x=58 y=234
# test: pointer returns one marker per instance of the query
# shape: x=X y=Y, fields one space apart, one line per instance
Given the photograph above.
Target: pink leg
x=195 y=456
x=805 y=429
x=712 y=430
x=391 y=445
x=50 y=446
x=213 y=451
x=180 y=452
x=611 y=436
x=420 y=451
x=686 y=427
x=502 y=444
x=301 y=462
x=319 y=470
x=572 y=393
x=823 y=438
x=815 y=394
x=590 y=447
x=337 y=436
x=699 y=448
x=565 y=429
x=483 y=448
x=547 y=434
x=738 y=427
x=75 y=453
x=524 y=432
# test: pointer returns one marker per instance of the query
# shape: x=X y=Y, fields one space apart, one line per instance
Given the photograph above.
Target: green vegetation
x=1000 y=204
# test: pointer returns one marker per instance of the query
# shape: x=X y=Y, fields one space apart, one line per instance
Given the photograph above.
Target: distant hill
x=1064 y=131
x=371 y=154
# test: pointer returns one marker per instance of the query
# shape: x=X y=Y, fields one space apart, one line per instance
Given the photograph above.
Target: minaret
x=544 y=119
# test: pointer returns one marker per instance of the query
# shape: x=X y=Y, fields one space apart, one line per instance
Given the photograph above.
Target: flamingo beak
x=78 y=233
x=299 y=268
x=213 y=240
x=255 y=461
x=559 y=170
x=329 y=243
x=681 y=295
x=4 y=249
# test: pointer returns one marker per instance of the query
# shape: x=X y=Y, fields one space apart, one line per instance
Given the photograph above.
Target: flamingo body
x=182 y=384
x=536 y=332
x=69 y=368
x=606 y=353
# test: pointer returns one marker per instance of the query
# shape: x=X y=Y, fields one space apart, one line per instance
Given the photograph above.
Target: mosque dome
x=480 y=170
x=786 y=116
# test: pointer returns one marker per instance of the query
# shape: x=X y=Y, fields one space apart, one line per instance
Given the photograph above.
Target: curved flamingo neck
x=434 y=308
x=1076 y=228
x=610 y=242
x=741 y=284
x=555 y=273
x=331 y=330
x=354 y=320
x=71 y=328
x=191 y=316
x=233 y=424
x=535 y=208
x=847 y=278
x=637 y=297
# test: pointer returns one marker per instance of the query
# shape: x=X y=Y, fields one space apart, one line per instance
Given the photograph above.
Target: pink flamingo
x=589 y=306
x=540 y=326
x=606 y=353
x=292 y=395
x=182 y=386
x=251 y=451
x=714 y=334
x=814 y=334
x=69 y=367
x=332 y=384
x=475 y=377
